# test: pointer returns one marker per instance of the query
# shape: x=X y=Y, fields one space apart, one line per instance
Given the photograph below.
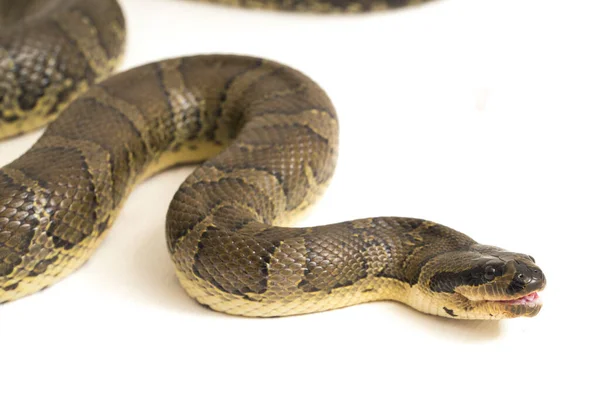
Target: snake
x=265 y=137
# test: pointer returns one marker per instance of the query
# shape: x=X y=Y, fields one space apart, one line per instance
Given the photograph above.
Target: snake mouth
x=531 y=299
x=527 y=305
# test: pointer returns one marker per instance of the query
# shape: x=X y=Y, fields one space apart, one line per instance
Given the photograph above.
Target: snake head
x=484 y=282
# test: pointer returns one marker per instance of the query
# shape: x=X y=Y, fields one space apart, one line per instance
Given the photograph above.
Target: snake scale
x=266 y=138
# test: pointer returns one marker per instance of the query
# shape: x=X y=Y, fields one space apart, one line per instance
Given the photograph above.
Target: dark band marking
x=206 y=306
x=447 y=282
x=256 y=200
x=7 y=269
x=101 y=40
x=211 y=134
x=402 y=273
x=61 y=99
x=89 y=74
x=11 y=255
x=120 y=153
x=194 y=130
x=160 y=76
x=28 y=100
x=102 y=226
x=450 y=312
x=42 y=266
x=292 y=113
x=428 y=242
x=250 y=278
x=69 y=164
x=123 y=117
x=322 y=275
x=283 y=127
x=275 y=71
x=9 y=119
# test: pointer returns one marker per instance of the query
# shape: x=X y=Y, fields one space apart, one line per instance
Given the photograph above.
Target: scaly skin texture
x=322 y=6
x=269 y=136
x=50 y=52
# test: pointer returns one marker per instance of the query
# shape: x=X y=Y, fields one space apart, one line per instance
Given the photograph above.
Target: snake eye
x=490 y=273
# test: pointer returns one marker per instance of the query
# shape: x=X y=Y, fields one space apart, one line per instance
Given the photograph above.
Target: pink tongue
x=523 y=300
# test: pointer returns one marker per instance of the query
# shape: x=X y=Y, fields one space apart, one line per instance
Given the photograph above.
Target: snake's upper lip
x=529 y=299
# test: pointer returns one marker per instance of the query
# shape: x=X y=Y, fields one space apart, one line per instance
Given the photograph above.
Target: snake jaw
x=493 y=284
x=531 y=299
x=527 y=305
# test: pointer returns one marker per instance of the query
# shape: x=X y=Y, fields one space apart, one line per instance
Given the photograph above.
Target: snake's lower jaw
x=513 y=310
x=528 y=305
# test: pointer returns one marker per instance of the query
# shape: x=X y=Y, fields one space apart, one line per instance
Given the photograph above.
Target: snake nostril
x=536 y=274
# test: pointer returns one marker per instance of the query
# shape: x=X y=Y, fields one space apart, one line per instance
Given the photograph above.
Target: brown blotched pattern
x=268 y=136
x=50 y=52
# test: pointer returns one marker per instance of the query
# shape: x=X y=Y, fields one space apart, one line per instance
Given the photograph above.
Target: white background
x=478 y=114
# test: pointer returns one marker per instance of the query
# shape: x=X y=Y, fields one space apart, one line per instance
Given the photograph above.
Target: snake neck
x=239 y=263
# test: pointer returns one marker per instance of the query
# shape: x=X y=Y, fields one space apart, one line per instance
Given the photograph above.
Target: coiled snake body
x=267 y=136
